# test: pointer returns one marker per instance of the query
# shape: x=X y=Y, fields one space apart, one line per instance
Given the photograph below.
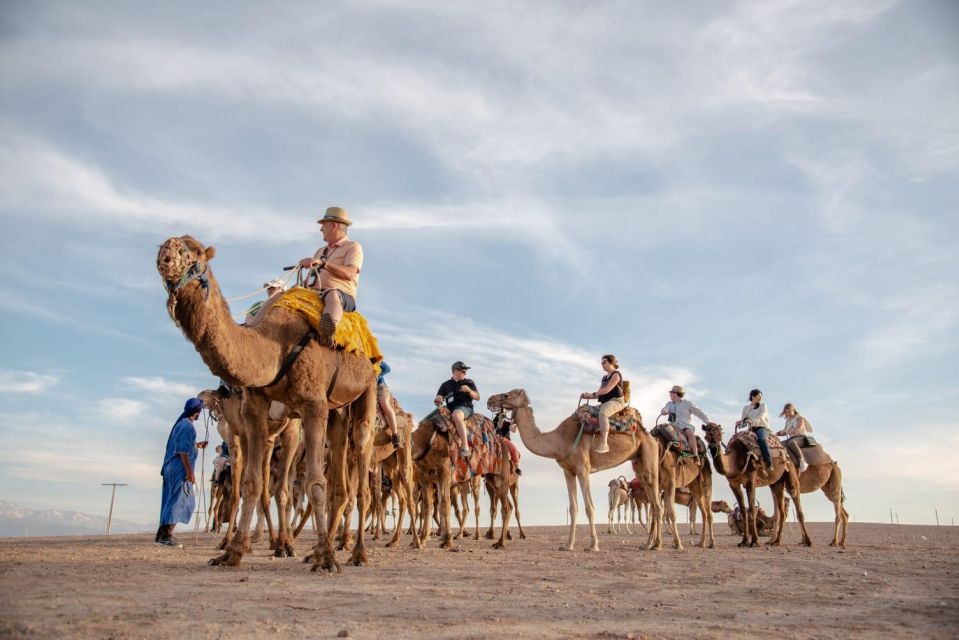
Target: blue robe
x=177 y=505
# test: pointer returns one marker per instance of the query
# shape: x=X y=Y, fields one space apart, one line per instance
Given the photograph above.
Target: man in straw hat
x=680 y=412
x=339 y=264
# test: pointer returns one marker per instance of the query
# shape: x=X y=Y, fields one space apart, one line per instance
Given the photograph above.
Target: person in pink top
x=338 y=265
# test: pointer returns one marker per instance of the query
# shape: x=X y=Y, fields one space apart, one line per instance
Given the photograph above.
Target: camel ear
x=210 y=252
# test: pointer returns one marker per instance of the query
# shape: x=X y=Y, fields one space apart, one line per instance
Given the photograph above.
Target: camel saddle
x=626 y=421
x=812 y=451
x=485 y=446
x=748 y=440
x=674 y=438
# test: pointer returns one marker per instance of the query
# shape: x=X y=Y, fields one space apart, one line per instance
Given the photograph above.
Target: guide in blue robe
x=179 y=500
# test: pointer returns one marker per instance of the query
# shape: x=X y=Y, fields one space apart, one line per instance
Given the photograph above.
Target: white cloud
x=27 y=381
x=123 y=409
x=158 y=385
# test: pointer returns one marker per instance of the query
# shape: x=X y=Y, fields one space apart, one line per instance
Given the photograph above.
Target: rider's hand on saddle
x=437 y=401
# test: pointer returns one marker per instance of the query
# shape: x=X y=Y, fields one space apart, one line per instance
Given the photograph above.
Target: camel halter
x=191 y=274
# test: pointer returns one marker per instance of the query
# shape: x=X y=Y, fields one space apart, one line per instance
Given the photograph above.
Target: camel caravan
x=307 y=421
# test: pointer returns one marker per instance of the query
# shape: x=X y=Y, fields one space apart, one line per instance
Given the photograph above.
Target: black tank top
x=617 y=391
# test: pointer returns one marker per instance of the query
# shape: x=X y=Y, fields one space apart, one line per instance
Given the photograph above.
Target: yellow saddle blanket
x=352 y=332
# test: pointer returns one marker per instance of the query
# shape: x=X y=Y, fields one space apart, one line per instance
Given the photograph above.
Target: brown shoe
x=327 y=329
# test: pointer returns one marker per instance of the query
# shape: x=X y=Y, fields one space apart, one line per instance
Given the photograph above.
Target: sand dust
x=892 y=581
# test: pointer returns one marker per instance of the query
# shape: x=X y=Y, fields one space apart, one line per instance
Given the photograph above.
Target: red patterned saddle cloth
x=626 y=421
x=485 y=446
x=748 y=439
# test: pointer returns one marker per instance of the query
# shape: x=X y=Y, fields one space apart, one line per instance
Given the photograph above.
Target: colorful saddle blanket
x=626 y=421
x=635 y=484
x=485 y=446
x=674 y=438
x=352 y=332
x=748 y=439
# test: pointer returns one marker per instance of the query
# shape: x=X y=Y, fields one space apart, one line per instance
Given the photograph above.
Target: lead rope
x=206 y=438
x=286 y=283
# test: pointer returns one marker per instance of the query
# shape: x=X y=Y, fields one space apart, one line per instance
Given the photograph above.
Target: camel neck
x=535 y=440
x=239 y=355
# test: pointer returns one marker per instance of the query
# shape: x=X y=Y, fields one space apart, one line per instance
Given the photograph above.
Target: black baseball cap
x=459 y=366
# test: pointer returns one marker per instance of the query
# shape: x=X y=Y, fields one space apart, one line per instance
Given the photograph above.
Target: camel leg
x=236 y=475
x=284 y=542
x=833 y=491
x=669 y=505
x=363 y=424
x=461 y=507
x=514 y=495
x=626 y=513
x=646 y=468
x=573 y=508
x=315 y=424
x=500 y=483
x=445 y=507
x=254 y=411
x=737 y=490
x=792 y=486
x=611 y=525
x=475 y=490
x=692 y=518
x=780 y=514
x=752 y=525
x=583 y=476
x=340 y=473
x=492 y=509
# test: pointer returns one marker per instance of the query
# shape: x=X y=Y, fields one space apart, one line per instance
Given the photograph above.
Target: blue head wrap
x=192 y=405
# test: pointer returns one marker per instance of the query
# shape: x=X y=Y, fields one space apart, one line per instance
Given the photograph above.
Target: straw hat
x=678 y=390
x=274 y=284
x=336 y=214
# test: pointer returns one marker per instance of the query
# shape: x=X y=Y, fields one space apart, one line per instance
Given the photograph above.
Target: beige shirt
x=796 y=426
x=344 y=253
x=757 y=417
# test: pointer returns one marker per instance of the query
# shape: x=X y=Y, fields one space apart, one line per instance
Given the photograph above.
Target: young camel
x=575 y=456
x=319 y=380
x=462 y=491
x=618 y=502
x=742 y=471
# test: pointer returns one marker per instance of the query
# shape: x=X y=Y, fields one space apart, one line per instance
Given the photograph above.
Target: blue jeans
x=761 y=433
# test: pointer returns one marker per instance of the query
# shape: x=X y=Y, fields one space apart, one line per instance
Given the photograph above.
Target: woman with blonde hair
x=796 y=427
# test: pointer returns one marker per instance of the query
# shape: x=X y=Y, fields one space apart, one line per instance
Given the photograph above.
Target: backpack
x=625 y=385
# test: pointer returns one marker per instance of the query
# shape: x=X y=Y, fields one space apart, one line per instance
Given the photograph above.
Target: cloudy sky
x=724 y=195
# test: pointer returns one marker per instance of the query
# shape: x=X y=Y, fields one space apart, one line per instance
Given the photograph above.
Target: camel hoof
x=772 y=544
x=228 y=559
x=392 y=543
x=476 y=536
x=489 y=535
x=221 y=546
x=509 y=536
x=327 y=566
x=591 y=549
x=358 y=558
x=499 y=545
x=522 y=536
x=807 y=543
x=566 y=547
x=743 y=544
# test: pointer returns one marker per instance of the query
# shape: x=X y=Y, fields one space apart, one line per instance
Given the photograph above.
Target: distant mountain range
x=17 y=521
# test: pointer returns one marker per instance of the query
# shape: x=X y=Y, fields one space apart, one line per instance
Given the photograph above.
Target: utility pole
x=112 y=498
x=937 y=517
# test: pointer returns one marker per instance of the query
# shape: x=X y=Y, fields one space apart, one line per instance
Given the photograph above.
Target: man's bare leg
x=460 y=425
x=383 y=396
x=693 y=447
x=332 y=314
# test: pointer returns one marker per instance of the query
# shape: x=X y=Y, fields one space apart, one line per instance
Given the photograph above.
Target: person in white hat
x=273 y=288
x=680 y=412
x=338 y=264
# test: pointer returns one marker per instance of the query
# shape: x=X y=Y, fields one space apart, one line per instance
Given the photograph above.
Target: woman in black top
x=610 y=396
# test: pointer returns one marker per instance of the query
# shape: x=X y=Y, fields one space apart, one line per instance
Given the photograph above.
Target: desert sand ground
x=891 y=581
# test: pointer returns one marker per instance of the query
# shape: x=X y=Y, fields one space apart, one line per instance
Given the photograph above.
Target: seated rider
x=610 y=396
x=383 y=397
x=680 y=412
x=338 y=264
x=796 y=429
x=504 y=426
x=273 y=288
x=458 y=393
x=220 y=462
x=756 y=417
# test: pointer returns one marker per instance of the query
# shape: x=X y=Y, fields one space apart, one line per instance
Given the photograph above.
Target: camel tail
x=842 y=496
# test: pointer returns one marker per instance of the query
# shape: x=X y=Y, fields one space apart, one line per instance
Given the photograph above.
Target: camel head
x=182 y=262
x=714 y=433
x=510 y=401
x=722 y=506
x=212 y=401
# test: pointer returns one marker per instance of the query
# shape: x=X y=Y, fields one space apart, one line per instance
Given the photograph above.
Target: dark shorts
x=349 y=304
x=467 y=411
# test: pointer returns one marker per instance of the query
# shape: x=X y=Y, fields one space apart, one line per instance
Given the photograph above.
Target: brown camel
x=685 y=498
x=575 y=456
x=396 y=464
x=319 y=380
x=618 y=499
x=460 y=493
x=682 y=472
x=742 y=471
x=765 y=523
x=824 y=473
x=493 y=506
x=283 y=435
x=638 y=504
x=432 y=467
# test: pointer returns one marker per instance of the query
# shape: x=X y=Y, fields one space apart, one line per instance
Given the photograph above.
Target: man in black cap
x=459 y=392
